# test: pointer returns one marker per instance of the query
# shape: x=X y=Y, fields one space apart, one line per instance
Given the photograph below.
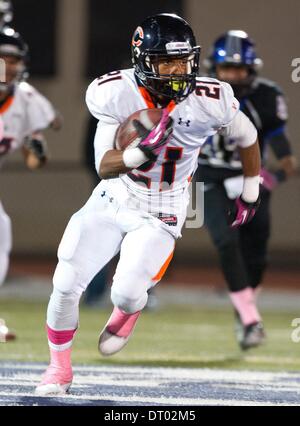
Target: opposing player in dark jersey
x=243 y=251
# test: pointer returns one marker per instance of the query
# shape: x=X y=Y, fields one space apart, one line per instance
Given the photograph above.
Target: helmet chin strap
x=7 y=87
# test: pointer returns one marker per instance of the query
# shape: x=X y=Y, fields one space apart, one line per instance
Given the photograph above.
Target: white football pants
x=5 y=243
x=94 y=235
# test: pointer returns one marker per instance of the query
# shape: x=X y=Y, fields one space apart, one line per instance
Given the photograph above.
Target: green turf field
x=177 y=336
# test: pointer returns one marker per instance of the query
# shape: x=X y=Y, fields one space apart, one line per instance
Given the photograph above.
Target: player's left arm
x=35 y=150
x=58 y=121
x=243 y=131
x=40 y=115
x=279 y=142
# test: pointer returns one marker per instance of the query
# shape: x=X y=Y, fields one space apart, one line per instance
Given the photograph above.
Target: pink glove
x=269 y=180
x=242 y=212
x=153 y=141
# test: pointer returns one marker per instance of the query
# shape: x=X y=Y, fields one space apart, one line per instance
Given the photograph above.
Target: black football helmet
x=6 y=12
x=12 y=44
x=160 y=36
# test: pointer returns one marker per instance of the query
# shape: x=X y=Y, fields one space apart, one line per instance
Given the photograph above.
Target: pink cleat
x=117 y=332
x=58 y=377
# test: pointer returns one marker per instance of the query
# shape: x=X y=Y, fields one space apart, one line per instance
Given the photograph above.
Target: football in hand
x=127 y=136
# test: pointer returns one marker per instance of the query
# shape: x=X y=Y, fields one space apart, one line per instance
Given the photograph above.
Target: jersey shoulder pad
x=218 y=98
x=271 y=96
x=104 y=93
x=30 y=93
x=27 y=89
x=40 y=111
x=268 y=86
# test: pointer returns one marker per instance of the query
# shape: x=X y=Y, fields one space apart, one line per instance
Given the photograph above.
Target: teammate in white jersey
x=139 y=207
x=25 y=113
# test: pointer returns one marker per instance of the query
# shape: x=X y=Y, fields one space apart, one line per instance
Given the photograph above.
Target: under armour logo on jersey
x=181 y=122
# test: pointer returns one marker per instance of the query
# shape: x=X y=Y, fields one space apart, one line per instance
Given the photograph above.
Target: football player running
x=25 y=113
x=139 y=207
x=243 y=251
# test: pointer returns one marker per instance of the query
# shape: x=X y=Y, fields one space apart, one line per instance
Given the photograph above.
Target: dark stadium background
x=73 y=41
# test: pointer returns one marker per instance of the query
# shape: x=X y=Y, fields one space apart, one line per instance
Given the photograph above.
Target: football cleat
x=6 y=335
x=238 y=327
x=117 y=332
x=55 y=381
x=254 y=335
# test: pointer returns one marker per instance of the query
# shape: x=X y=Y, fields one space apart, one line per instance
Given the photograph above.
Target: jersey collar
x=6 y=103
x=149 y=100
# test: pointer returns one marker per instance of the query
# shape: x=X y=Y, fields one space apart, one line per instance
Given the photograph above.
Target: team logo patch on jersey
x=169 y=220
x=138 y=37
x=186 y=123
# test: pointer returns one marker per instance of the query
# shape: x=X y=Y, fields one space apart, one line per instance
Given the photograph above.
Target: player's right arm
x=113 y=162
x=109 y=162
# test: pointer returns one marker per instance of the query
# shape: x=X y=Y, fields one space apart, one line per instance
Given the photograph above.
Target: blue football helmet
x=233 y=48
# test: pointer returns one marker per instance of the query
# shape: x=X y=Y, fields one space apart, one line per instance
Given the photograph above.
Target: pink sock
x=61 y=359
x=60 y=340
x=244 y=303
x=60 y=368
x=257 y=292
x=121 y=323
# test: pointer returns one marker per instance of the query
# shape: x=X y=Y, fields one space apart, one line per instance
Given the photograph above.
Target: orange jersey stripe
x=163 y=269
x=150 y=104
x=147 y=97
x=6 y=104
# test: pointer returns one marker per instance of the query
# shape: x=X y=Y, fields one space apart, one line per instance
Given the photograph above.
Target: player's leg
x=90 y=240
x=145 y=256
x=254 y=238
x=5 y=248
x=5 y=243
x=226 y=240
x=97 y=288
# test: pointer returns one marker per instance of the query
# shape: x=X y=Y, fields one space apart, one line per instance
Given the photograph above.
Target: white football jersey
x=212 y=105
x=23 y=113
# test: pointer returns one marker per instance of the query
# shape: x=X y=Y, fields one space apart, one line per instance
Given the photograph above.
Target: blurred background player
x=6 y=13
x=25 y=113
x=243 y=251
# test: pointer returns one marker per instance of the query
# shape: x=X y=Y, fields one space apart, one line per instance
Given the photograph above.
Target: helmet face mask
x=15 y=68
x=159 y=42
x=14 y=52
